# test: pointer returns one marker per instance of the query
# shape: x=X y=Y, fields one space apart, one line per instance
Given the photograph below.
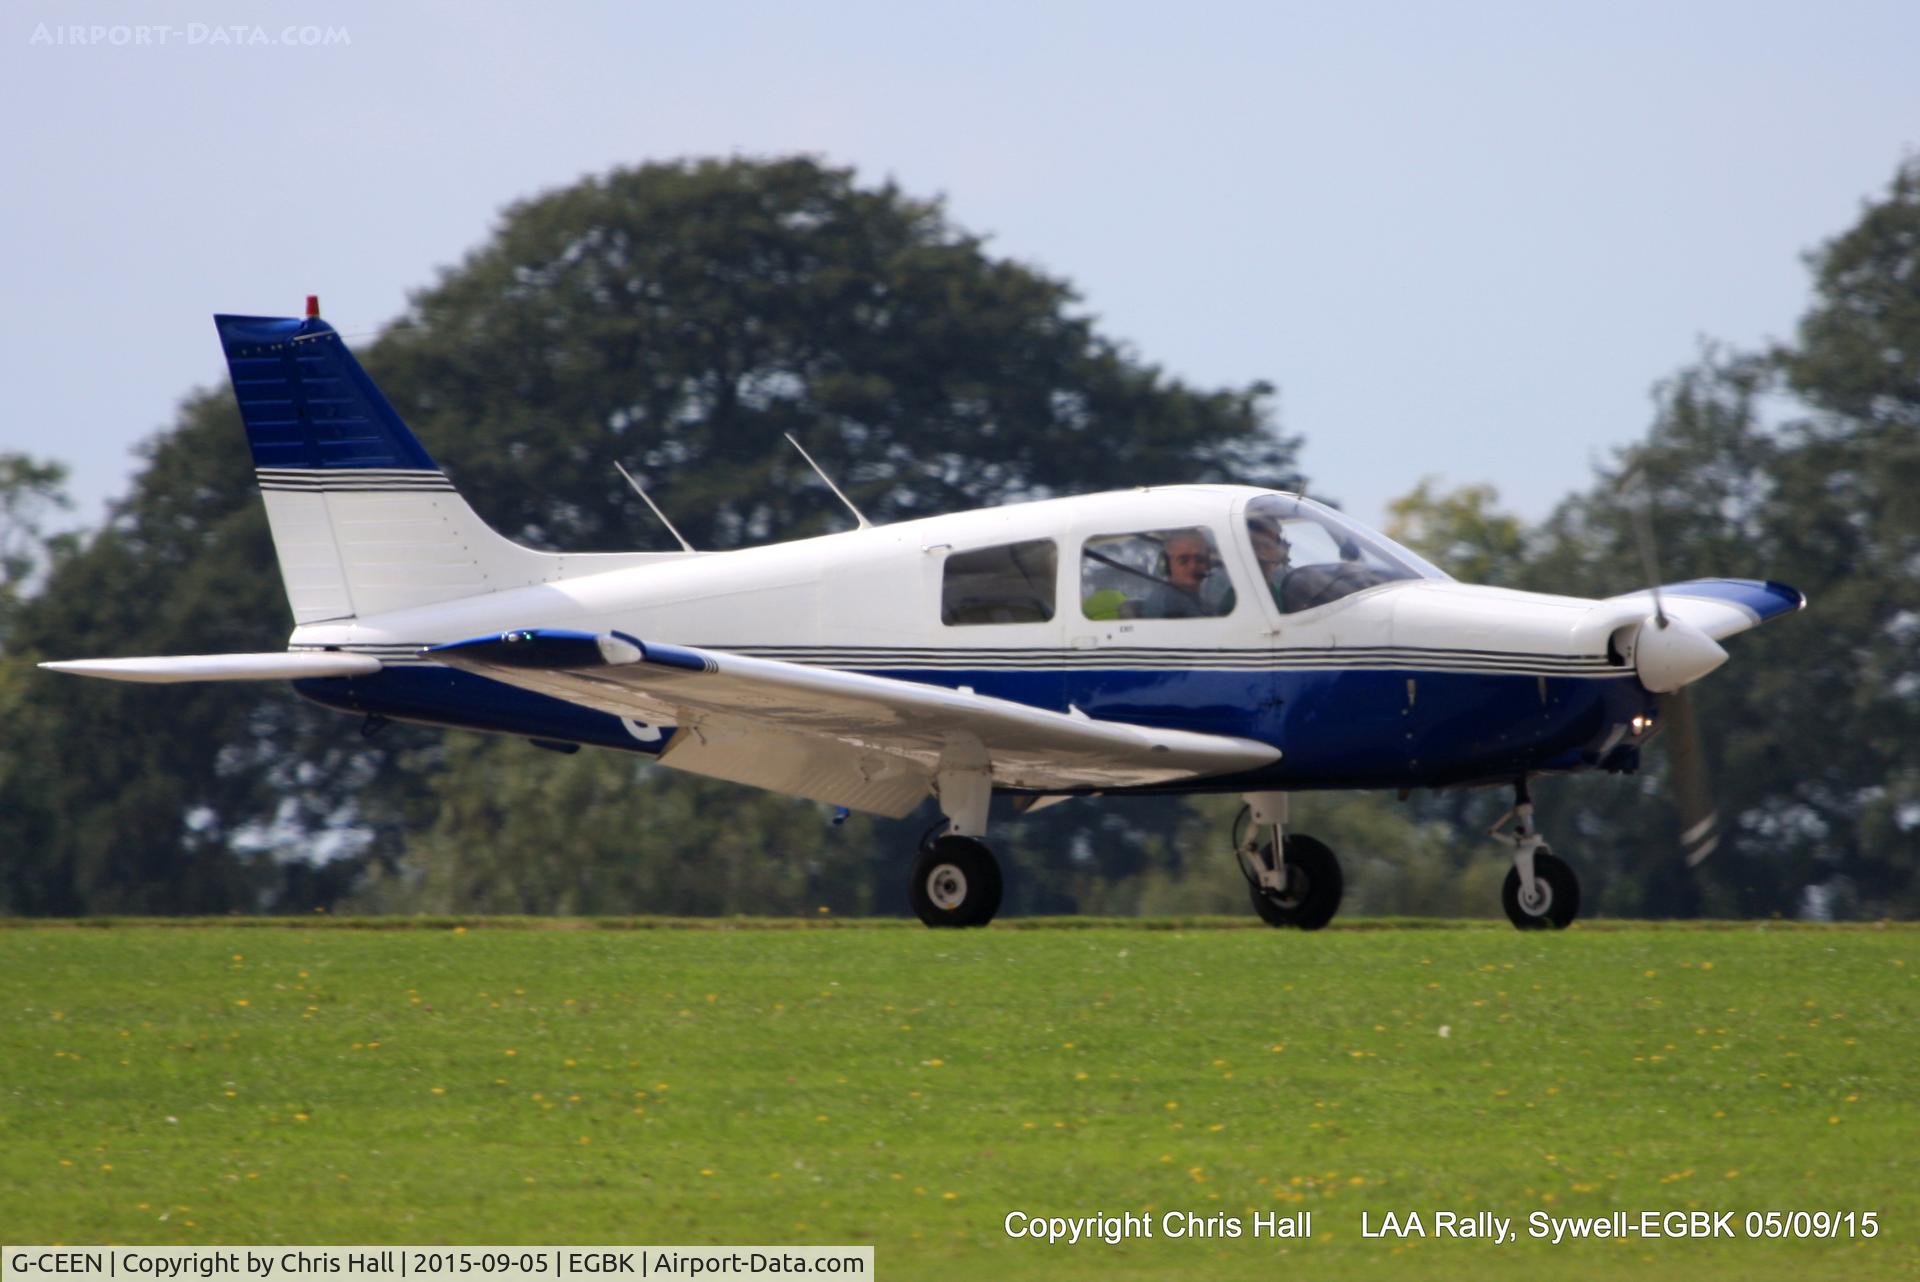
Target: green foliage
x=1801 y=465
x=31 y=491
x=594 y=833
x=186 y=798
x=681 y=318
x=1397 y=861
x=908 y=1088
x=1461 y=531
x=1859 y=350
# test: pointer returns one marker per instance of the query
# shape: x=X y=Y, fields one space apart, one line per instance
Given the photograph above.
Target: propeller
x=1670 y=654
x=1699 y=818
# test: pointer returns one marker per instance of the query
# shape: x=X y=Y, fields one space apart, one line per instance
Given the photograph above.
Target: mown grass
x=489 y=1083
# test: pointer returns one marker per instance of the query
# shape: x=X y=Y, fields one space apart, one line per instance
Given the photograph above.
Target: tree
x=1461 y=531
x=30 y=492
x=1814 y=743
x=677 y=317
x=682 y=318
x=606 y=833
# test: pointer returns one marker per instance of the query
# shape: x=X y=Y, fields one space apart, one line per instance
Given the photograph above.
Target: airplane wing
x=1722 y=607
x=865 y=742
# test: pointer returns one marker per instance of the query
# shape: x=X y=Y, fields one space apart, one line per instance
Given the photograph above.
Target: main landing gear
x=956 y=879
x=1541 y=892
x=1302 y=887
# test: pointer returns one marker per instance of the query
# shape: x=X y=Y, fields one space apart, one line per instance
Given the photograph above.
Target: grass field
x=499 y=1083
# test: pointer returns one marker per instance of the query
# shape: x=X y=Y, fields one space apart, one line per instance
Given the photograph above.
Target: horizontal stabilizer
x=285 y=665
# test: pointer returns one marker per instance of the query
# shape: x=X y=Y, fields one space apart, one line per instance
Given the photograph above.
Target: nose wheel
x=1553 y=900
x=1541 y=891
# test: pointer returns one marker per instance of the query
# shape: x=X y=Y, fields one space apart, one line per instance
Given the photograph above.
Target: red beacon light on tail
x=313 y=307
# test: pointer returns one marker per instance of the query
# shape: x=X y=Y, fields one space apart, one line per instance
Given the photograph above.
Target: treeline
x=680 y=318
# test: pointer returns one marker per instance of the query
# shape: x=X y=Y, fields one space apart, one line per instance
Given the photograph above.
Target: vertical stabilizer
x=364 y=521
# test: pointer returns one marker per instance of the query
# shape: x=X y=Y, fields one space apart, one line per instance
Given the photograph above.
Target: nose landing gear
x=1541 y=891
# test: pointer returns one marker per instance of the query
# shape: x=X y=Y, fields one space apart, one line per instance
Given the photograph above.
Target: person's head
x=1189 y=557
x=1268 y=547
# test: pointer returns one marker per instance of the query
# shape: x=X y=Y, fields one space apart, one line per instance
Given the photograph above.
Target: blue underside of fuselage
x=1348 y=728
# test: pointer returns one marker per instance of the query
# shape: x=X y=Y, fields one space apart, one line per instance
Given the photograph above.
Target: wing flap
x=824 y=770
x=866 y=725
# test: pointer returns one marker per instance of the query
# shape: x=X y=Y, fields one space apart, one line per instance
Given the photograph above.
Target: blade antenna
x=1643 y=535
x=656 y=507
x=858 y=515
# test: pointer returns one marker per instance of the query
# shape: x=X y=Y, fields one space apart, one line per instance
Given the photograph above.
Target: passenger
x=1189 y=558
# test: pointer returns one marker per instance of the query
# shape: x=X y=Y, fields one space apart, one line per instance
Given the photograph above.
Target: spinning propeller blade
x=1699 y=817
x=1643 y=535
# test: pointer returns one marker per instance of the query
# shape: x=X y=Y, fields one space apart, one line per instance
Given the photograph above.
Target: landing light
x=1641 y=724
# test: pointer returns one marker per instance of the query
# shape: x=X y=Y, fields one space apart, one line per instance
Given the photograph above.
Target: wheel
x=1313 y=890
x=1559 y=889
x=956 y=882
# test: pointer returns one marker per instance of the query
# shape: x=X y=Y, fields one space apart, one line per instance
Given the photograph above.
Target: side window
x=1013 y=583
x=1154 y=574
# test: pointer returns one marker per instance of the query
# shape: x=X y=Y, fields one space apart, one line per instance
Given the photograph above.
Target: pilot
x=1181 y=595
x=1270 y=550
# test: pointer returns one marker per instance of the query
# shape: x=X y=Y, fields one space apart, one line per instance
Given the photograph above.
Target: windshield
x=1310 y=555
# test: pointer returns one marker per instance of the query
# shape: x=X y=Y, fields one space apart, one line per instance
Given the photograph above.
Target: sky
x=1464 y=240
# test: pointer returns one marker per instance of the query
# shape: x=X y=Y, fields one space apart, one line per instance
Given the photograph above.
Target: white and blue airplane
x=1170 y=639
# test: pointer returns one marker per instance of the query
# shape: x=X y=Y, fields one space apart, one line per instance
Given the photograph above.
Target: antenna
x=865 y=524
x=650 y=503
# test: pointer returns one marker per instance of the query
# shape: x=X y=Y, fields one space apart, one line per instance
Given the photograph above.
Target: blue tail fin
x=364 y=522
x=307 y=403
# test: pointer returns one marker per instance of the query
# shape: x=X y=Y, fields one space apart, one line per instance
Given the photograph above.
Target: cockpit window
x=1154 y=574
x=1013 y=583
x=1310 y=555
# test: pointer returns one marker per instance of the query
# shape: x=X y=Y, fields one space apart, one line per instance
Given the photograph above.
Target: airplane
x=1168 y=639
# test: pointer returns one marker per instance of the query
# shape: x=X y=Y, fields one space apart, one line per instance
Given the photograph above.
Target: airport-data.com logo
x=203 y=35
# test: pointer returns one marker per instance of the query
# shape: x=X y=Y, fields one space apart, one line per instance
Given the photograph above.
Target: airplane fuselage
x=1413 y=683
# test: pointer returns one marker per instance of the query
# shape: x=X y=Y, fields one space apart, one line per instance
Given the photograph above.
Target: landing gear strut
x=1541 y=892
x=1300 y=889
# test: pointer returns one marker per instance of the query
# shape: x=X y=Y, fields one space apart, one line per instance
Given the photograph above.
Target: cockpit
x=1310 y=555
x=1298 y=553
x=1304 y=555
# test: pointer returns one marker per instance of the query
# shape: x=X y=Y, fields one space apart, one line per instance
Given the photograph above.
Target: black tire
x=955 y=882
x=1314 y=886
x=1563 y=894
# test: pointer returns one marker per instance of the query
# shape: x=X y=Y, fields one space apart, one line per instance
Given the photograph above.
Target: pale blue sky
x=1463 y=239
